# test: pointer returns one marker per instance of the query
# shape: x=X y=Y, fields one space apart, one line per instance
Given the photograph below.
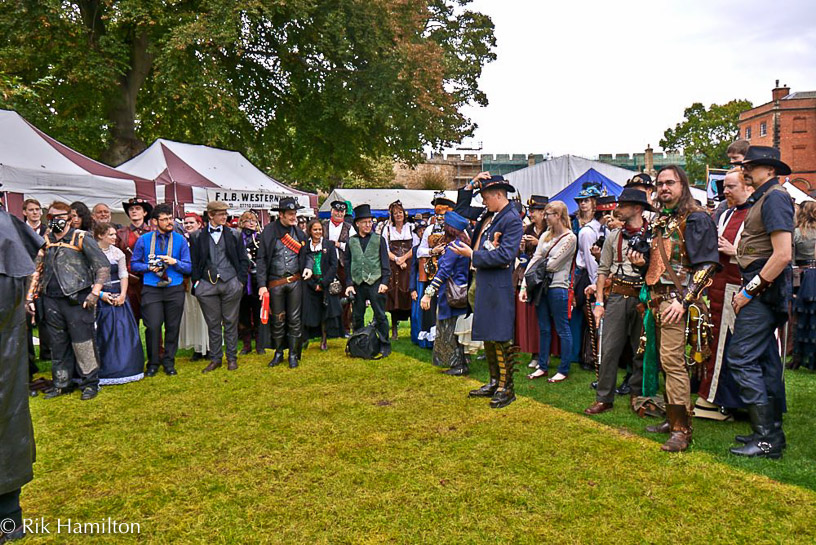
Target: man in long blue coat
x=495 y=244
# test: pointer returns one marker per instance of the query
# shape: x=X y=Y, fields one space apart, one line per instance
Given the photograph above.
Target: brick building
x=788 y=123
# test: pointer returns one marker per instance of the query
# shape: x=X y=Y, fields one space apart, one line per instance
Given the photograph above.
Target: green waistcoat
x=365 y=266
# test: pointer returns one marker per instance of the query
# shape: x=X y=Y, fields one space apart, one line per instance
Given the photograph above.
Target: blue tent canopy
x=568 y=194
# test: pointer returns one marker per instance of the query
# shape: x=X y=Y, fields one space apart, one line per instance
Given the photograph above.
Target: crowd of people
x=651 y=281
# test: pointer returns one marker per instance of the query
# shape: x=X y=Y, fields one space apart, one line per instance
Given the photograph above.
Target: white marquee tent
x=194 y=174
x=34 y=165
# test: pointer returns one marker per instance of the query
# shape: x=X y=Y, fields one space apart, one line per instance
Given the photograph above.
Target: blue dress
x=121 y=355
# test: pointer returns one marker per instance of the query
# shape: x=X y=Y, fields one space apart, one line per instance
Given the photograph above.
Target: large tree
x=312 y=89
x=704 y=135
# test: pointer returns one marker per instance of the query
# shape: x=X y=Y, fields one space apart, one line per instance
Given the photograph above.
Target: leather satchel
x=456 y=294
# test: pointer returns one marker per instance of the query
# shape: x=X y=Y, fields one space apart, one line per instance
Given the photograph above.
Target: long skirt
x=398 y=297
x=804 y=341
x=527 y=335
x=423 y=322
x=121 y=356
x=193 y=332
x=447 y=352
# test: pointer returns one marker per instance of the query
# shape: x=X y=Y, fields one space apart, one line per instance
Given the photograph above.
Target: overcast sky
x=589 y=77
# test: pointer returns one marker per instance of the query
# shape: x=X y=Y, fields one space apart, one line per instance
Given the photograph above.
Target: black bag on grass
x=365 y=343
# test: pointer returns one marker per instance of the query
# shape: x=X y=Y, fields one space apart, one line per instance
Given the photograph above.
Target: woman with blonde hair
x=554 y=252
x=804 y=240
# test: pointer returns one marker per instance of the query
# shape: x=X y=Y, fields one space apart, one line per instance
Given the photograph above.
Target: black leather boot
x=294 y=352
x=278 y=357
x=506 y=359
x=458 y=370
x=779 y=410
x=488 y=389
x=767 y=442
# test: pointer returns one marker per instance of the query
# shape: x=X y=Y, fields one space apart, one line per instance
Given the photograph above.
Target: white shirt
x=392 y=233
x=216 y=236
x=584 y=259
x=334 y=234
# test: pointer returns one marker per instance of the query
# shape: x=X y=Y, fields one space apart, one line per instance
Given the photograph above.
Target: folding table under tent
x=34 y=165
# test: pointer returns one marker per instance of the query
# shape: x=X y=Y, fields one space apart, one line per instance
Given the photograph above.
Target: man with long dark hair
x=683 y=258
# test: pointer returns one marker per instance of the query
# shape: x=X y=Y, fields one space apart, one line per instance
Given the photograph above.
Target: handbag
x=456 y=294
x=539 y=278
x=335 y=287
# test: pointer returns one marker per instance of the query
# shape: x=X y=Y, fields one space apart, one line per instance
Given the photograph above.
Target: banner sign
x=252 y=200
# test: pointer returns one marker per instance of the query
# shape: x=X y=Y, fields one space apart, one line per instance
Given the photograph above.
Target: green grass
x=352 y=451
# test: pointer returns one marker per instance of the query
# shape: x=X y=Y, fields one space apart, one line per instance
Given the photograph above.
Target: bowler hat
x=635 y=196
x=766 y=155
x=136 y=201
x=537 y=202
x=497 y=182
x=456 y=221
x=640 y=178
x=362 y=211
x=288 y=203
x=606 y=203
x=217 y=206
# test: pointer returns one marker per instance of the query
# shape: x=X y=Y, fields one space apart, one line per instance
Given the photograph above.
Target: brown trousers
x=671 y=340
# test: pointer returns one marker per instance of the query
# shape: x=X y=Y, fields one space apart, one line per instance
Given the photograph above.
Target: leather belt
x=660 y=293
x=625 y=289
x=281 y=281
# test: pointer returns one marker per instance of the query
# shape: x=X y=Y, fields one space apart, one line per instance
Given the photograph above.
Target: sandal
x=558 y=378
x=538 y=373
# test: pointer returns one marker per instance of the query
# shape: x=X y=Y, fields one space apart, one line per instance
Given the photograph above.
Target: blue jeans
x=553 y=309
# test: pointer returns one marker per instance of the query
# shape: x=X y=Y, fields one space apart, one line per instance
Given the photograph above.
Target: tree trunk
x=122 y=112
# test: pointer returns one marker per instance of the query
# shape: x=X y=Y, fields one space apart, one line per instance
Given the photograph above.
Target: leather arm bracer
x=699 y=281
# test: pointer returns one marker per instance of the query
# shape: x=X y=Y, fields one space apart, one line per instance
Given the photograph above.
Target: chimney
x=780 y=92
x=530 y=160
x=648 y=168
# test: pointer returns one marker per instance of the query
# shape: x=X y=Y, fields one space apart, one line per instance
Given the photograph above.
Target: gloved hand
x=307 y=274
x=91 y=300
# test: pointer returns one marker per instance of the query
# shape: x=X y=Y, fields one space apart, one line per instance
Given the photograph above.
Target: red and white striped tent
x=191 y=175
x=34 y=165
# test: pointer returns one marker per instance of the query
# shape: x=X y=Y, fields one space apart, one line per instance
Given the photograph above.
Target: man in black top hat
x=279 y=274
x=368 y=273
x=618 y=303
x=764 y=257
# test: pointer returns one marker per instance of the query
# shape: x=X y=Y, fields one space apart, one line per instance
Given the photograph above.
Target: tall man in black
x=71 y=270
x=219 y=276
x=366 y=260
x=20 y=245
x=279 y=274
x=764 y=258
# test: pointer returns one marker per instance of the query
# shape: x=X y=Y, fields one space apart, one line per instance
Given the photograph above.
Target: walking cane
x=600 y=350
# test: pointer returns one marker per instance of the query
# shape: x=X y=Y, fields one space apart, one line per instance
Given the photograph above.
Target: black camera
x=600 y=242
x=641 y=243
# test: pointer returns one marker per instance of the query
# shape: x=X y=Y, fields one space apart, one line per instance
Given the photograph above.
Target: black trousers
x=74 y=357
x=286 y=302
x=366 y=292
x=249 y=317
x=10 y=509
x=162 y=306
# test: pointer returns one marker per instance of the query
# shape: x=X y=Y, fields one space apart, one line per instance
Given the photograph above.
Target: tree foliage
x=704 y=135
x=311 y=89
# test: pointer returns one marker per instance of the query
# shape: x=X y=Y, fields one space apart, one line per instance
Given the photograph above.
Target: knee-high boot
x=488 y=389
x=767 y=440
x=506 y=360
x=778 y=411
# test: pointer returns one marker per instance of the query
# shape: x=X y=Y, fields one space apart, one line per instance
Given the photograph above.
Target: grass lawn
x=352 y=451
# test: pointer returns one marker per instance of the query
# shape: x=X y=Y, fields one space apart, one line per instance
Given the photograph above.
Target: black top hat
x=498 y=182
x=537 y=202
x=605 y=203
x=288 y=203
x=640 y=179
x=339 y=205
x=136 y=201
x=766 y=155
x=362 y=211
x=441 y=198
x=635 y=196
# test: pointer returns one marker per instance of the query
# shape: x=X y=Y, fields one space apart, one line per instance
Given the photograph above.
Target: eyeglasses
x=667 y=183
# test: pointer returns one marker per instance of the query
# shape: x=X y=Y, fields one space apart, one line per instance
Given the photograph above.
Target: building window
x=799 y=124
x=763 y=128
x=747 y=133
